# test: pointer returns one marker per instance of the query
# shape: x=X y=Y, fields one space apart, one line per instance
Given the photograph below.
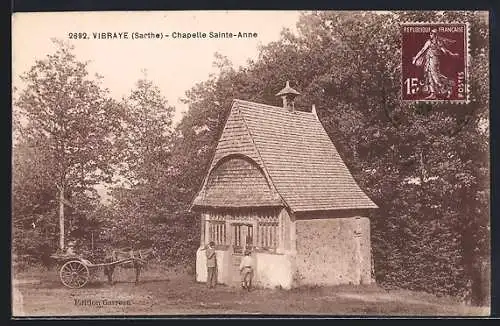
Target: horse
x=140 y=260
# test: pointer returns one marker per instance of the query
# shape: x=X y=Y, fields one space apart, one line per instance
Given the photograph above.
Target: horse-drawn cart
x=76 y=272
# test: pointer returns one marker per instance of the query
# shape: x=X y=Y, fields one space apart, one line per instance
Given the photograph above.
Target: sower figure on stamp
x=434 y=81
x=246 y=270
x=211 y=265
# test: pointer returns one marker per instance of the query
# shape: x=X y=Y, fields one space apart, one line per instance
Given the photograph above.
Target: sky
x=175 y=65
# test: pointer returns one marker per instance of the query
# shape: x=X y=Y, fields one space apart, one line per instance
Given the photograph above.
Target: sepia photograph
x=229 y=163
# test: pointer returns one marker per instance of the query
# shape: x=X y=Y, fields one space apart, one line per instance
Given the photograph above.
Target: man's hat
x=211 y=243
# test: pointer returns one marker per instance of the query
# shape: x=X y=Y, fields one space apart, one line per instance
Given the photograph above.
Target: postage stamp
x=434 y=62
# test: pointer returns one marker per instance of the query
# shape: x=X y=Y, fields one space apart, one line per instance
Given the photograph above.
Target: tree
x=71 y=122
x=143 y=207
x=33 y=203
x=147 y=129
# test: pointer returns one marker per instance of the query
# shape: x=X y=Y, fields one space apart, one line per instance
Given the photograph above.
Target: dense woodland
x=426 y=166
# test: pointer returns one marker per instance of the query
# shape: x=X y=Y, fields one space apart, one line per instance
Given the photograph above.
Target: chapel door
x=242 y=237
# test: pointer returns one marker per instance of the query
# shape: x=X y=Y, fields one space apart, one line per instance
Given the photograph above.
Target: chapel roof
x=295 y=154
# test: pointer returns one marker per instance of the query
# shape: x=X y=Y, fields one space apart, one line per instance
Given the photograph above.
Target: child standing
x=246 y=270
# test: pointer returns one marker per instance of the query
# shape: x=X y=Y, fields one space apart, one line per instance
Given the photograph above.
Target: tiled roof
x=237 y=182
x=296 y=155
x=301 y=160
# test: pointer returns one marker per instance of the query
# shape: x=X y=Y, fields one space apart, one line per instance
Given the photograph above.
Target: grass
x=173 y=291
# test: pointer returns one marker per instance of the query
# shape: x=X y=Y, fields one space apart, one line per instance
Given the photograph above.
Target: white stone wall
x=273 y=270
x=333 y=251
x=222 y=265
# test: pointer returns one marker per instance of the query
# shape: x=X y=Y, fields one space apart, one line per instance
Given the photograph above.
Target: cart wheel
x=74 y=274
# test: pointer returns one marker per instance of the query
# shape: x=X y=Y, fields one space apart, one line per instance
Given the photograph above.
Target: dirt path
x=162 y=294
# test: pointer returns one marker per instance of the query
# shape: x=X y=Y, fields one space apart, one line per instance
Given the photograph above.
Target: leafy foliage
x=144 y=210
x=65 y=139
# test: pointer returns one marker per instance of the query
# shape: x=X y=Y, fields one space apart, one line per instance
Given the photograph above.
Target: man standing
x=211 y=265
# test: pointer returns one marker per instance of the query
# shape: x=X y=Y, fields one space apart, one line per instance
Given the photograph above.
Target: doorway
x=242 y=237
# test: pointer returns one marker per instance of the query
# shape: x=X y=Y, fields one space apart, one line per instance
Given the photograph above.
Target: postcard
x=202 y=163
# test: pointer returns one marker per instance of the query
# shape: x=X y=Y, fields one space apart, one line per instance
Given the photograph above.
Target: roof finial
x=288 y=95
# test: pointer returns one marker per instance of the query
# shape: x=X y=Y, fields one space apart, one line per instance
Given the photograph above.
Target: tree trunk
x=61 y=218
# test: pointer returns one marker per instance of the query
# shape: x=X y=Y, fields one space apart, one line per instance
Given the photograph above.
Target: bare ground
x=174 y=292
